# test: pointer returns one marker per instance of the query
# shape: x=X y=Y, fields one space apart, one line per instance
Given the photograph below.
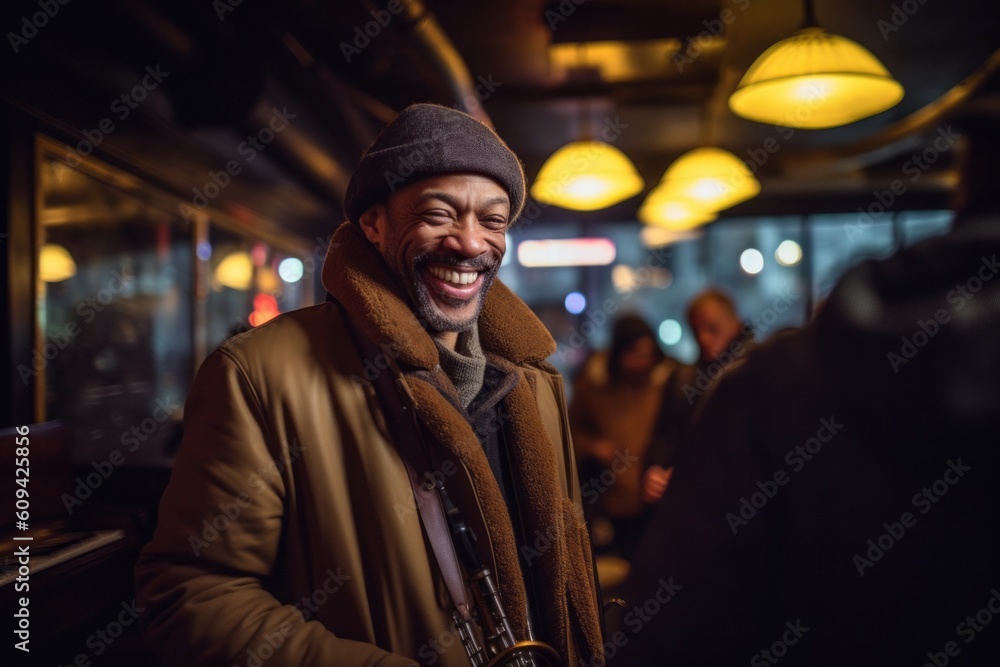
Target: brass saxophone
x=486 y=635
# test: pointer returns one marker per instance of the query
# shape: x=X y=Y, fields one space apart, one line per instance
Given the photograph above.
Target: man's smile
x=453 y=283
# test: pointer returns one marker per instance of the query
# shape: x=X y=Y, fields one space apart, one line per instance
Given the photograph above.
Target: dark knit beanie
x=427 y=139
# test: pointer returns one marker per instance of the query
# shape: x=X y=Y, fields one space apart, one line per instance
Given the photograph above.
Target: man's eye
x=437 y=214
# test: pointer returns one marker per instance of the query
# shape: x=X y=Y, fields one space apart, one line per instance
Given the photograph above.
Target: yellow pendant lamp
x=586 y=175
x=677 y=215
x=696 y=187
x=815 y=80
x=709 y=179
x=55 y=263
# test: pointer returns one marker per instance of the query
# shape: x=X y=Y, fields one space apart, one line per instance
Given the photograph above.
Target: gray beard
x=434 y=318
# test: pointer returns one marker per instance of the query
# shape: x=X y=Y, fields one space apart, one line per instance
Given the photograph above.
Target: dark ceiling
x=547 y=67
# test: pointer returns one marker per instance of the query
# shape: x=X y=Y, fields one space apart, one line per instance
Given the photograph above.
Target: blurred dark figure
x=615 y=400
x=722 y=339
x=838 y=503
x=715 y=323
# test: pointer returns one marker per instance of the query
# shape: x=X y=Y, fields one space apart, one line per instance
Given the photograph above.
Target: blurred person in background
x=616 y=397
x=839 y=502
x=722 y=338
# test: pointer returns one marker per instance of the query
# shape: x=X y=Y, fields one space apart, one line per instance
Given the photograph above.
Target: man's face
x=715 y=327
x=444 y=236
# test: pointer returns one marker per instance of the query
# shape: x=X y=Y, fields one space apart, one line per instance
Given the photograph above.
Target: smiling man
x=289 y=533
x=444 y=236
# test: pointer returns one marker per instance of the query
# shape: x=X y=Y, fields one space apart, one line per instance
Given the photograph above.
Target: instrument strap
x=404 y=429
x=436 y=527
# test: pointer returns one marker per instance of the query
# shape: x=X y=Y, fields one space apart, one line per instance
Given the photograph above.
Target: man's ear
x=372 y=223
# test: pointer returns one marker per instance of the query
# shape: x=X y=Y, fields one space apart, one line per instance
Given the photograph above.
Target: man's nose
x=467 y=238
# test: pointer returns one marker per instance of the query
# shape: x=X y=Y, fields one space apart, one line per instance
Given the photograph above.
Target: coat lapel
x=356 y=275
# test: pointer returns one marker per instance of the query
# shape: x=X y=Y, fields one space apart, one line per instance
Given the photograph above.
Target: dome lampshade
x=711 y=179
x=55 y=263
x=815 y=80
x=673 y=214
x=586 y=176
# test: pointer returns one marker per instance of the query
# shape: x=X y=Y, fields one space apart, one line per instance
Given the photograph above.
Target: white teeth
x=456 y=277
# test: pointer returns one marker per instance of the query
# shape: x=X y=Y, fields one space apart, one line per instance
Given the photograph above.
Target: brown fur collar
x=358 y=278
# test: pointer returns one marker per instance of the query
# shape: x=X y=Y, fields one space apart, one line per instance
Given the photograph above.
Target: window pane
x=115 y=315
x=776 y=269
x=250 y=282
x=919 y=225
x=841 y=241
